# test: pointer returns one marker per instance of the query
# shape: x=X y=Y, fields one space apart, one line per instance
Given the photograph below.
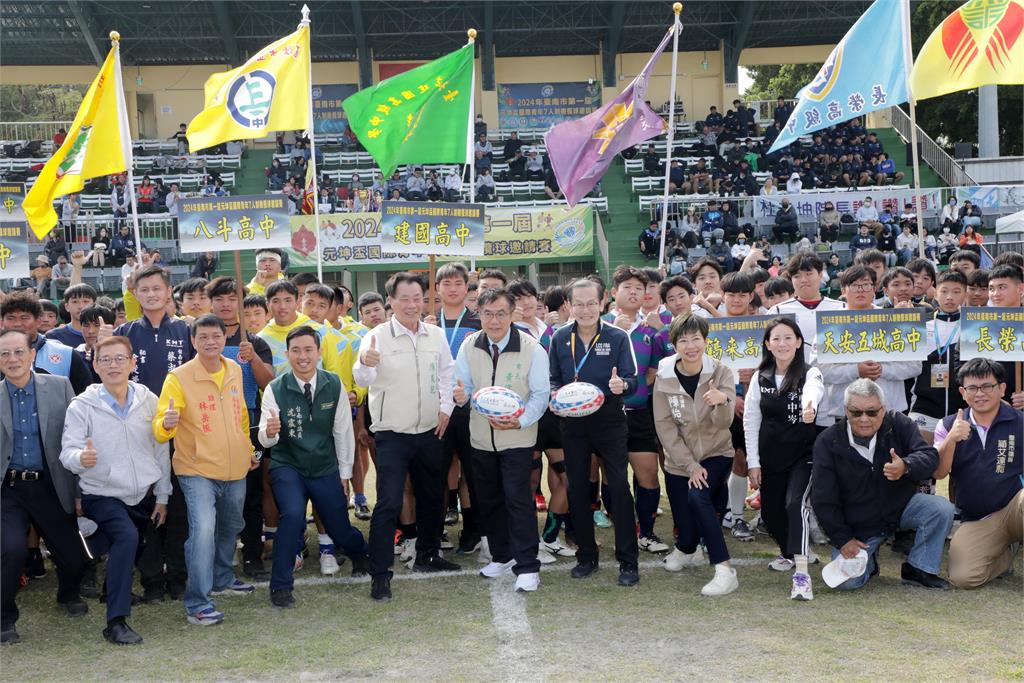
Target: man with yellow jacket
x=202 y=407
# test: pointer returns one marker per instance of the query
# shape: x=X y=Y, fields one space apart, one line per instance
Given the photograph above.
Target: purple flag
x=581 y=151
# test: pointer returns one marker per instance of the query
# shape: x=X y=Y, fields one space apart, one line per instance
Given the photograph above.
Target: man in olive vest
x=502 y=355
x=306 y=420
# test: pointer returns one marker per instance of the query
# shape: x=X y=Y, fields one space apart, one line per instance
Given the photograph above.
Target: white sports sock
x=325 y=539
x=801 y=563
x=737 y=495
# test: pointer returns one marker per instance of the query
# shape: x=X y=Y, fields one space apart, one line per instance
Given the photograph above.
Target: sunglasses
x=859 y=413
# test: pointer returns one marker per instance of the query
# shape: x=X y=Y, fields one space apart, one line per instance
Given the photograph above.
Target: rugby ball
x=576 y=399
x=498 y=402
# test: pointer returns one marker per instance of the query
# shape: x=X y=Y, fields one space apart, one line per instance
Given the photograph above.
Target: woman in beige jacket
x=694 y=401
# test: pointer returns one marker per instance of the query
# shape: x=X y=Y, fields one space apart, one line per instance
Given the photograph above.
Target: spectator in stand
x=741 y=249
x=771 y=134
x=887 y=245
x=484 y=152
x=69 y=213
x=181 y=139
x=700 y=181
x=745 y=184
x=707 y=140
x=55 y=246
x=782 y=112
x=828 y=224
x=730 y=223
x=947 y=244
x=63 y=271
x=100 y=247
x=485 y=185
x=435 y=192
x=787 y=224
x=551 y=188
x=745 y=122
x=872 y=147
x=711 y=220
x=120 y=202
x=650 y=241
x=794 y=184
x=416 y=186
x=517 y=166
x=688 y=229
x=276 y=175
x=534 y=166
x=326 y=202
x=867 y=215
x=160 y=192
x=652 y=162
x=453 y=185
x=970 y=214
x=971 y=240
x=676 y=177
x=909 y=217
x=906 y=244
x=379 y=184
x=950 y=215
x=720 y=251
x=480 y=127
x=59 y=137
x=769 y=189
x=886 y=169
x=395 y=183
x=862 y=241
x=355 y=184
x=713 y=119
x=512 y=146
x=145 y=196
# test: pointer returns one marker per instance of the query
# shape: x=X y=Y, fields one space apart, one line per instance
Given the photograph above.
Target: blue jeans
x=694 y=513
x=932 y=518
x=291 y=491
x=214 y=522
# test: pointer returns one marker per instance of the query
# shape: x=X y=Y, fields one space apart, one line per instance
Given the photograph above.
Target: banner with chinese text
x=883 y=334
x=328 y=115
x=736 y=342
x=539 y=233
x=14 y=262
x=346 y=239
x=542 y=105
x=432 y=228
x=809 y=204
x=995 y=333
x=230 y=223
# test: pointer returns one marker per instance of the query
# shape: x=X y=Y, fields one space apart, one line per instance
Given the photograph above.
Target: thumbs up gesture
x=371 y=356
x=616 y=384
x=714 y=396
x=106 y=332
x=88 y=455
x=896 y=468
x=961 y=429
x=809 y=412
x=273 y=424
x=171 y=416
x=459 y=393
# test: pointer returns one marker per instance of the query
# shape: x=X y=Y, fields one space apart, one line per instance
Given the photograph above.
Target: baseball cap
x=842 y=569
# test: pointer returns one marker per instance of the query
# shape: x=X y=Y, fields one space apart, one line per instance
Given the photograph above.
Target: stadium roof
x=159 y=32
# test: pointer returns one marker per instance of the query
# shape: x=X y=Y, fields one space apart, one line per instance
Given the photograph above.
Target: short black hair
x=979 y=368
x=758 y=275
x=453 y=269
x=1014 y=258
x=966 y=255
x=194 y=285
x=894 y=273
x=489 y=296
x=854 y=273
x=687 y=324
x=978 y=278
x=49 y=306
x=922 y=265
x=554 y=298
x=256 y=301
x=778 y=286
x=952 y=275
x=367 y=298
x=869 y=256
x=79 y=291
x=207 y=320
x=150 y=271
x=494 y=273
x=303 y=279
x=520 y=287
x=221 y=286
x=301 y=331
x=599 y=281
x=624 y=273
x=653 y=275
x=404 y=277
x=1006 y=271
x=24 y=301
x=97 y=314
x=671 y=283
x=339 y=294
x=737 y=283
x=281 y=285
x=322 y=291
x=705 y=262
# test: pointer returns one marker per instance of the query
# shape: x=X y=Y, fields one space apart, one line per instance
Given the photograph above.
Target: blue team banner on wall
x=995 y=333
x=328 y=116
x=881 y=334
x=432 y=228
x=230 y=223
x=542 y=105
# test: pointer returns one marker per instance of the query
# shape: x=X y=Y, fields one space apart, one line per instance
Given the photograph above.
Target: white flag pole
x=908 y=61
x=469 y=133
x=312 y=153
x=676 y=26
x=126 y=140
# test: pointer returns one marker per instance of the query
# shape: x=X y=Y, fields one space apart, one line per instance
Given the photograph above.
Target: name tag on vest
x=327 y=406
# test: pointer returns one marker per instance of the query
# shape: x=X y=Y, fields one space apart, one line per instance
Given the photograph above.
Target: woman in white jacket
x=124 y=474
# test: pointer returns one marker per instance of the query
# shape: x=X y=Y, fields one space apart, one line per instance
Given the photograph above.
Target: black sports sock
x=408 y=530
x=453 y=499
x=595 y=500
x=551 y=527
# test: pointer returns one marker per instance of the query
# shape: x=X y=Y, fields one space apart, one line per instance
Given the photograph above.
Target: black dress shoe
x=360 y=566
x=282 y=598
x=583 y=569
x=629 y=574
x=380 y=590
x=912 y=576
x=9 y=636
x=175 y=591
x=434 y=563
x=119 y=632
x=75 y=607
x=34 y=566
x=255 y=570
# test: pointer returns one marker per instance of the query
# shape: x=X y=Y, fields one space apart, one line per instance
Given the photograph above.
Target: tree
x=779 y=80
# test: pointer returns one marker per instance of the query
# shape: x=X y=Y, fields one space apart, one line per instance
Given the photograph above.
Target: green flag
x=417 y=117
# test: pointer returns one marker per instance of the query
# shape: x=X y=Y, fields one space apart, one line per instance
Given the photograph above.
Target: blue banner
x=328 y=116
x=995 y=333
x=542 y=105
x=881 y=334
x=14 y=261
x=432 y=228
x=230 y=223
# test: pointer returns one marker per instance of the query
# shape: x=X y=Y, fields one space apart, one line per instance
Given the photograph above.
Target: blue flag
x=865 y=72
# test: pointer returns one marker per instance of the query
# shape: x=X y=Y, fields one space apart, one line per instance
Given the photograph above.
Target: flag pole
x=312 y=153
x=471 y=33
x=908 y=62
x=676 y=8
x=126 y=140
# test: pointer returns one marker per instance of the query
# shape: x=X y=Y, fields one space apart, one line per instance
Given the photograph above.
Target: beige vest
x=512 y=373
x=405 y=397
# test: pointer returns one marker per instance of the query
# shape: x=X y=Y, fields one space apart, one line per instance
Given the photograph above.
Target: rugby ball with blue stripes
x=577 y=399
x=498 y=402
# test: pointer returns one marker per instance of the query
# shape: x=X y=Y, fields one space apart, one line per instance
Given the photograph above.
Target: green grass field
x=465 y=628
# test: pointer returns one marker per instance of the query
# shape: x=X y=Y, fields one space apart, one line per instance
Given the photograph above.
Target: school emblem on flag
x=249 y=98
x=995 y=24
x=72 y=163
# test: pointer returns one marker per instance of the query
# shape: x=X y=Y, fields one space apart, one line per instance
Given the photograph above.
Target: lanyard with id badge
x=940 y=371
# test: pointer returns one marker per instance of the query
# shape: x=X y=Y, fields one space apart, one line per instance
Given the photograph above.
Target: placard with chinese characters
x=346 y=239
x=882 y=334
x=432 y=228
x=736 y=342
x=14 y=262
x=230 y=223
x=995 y=333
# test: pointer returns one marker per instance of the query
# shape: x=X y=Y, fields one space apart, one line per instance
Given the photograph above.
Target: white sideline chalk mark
x=515 y=637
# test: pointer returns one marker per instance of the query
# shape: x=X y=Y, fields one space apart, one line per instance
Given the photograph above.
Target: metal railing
x=31 y=130
x=931 y=153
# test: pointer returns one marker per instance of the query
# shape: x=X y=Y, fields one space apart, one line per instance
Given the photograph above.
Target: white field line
x=515 y=637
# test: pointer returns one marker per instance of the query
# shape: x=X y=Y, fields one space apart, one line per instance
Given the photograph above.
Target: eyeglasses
x=18 y=353
x=859 y=413
x=113 y=360
x=590 y=305
x=862 y=287
x=494 y=315
x=984 y=388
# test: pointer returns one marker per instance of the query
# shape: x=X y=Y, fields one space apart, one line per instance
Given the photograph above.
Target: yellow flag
x=269 y=92
x=92 y=148
x=981 y=43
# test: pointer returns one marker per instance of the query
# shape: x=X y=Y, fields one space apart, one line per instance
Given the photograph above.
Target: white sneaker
x=527 y=583
x=408 y=550
x=728 y=520
x=812 y=557
x=801 y=587
x=496 y=569
x=484 y=555
x=556 y=547
x=298 y=563
x=677 y=559
x=328 y=564
x=544 y=557
x=652 y=544
x=781 y=564
x=725 y=582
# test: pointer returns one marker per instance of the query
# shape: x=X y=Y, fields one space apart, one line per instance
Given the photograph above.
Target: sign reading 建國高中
x=432 y=228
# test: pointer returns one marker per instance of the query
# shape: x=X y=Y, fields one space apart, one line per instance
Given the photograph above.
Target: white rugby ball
x=498 y=402
x=576 y=399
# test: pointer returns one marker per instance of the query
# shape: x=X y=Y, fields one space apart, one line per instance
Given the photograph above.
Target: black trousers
x=603 y=433
x=420 y=456
x=252 y=510
x=162 y=563
x=456 y=440
x=783 y=509
x=506 y=506
x=36 y=503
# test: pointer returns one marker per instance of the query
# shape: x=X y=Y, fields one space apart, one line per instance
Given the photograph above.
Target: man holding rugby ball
x=500 y=355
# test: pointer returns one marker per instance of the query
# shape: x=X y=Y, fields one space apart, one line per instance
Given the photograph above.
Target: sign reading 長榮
x=996 y=333
x=883 y=334
x=736 y=342
x=13 y=232
x=432 y=228
x=230 y=223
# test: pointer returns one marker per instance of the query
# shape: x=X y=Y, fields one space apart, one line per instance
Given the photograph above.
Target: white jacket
x=128 y=458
